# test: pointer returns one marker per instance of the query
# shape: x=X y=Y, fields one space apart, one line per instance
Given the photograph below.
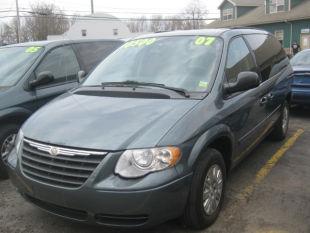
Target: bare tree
x=140 y=24
x=46 y=19
x=8 y=33
x=195 y=12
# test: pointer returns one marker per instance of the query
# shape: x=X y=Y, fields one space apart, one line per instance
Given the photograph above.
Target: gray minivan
x=153 y=132
x=31 y=74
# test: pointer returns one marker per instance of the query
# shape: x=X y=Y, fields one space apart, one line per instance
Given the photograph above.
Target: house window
x=84 y=32
x=115 y=32
x=276 y=6
x=228 y=14
x=279 y=34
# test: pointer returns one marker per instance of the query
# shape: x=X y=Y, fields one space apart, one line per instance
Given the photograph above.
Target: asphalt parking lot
x=268 y=192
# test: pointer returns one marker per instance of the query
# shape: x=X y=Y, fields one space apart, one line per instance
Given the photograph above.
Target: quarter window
x=228 y=14
x=239 y=59
x=62 y=63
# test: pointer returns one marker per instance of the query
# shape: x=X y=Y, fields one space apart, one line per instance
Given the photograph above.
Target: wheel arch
x=220 y=138
x=14 y=116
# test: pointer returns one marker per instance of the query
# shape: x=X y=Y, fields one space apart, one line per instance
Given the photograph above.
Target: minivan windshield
x=185 y=62
x=14 y=62
x=301 y=59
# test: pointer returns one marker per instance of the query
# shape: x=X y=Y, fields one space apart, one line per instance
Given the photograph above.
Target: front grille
x=60 y=166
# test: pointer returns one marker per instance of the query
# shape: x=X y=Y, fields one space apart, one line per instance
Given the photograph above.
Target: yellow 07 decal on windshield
x=140 y=42
x=204 y=40
x=33 y=49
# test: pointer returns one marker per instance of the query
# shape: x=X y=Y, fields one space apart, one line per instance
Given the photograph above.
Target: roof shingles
x=258 y=16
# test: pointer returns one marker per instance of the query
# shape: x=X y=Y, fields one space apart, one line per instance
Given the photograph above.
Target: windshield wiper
x=181 y=91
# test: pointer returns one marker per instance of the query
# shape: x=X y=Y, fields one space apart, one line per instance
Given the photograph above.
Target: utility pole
x=92 y=6
x=18 y=23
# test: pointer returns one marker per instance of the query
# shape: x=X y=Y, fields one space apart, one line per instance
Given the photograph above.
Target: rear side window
x=239 y=59
x=92 y=53
x=268 y=52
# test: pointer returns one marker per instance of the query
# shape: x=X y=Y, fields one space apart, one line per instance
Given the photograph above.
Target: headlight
x=18 y=140
x=12 y=159
x=137 y=163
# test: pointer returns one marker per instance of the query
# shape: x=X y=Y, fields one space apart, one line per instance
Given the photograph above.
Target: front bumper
x=111 y=201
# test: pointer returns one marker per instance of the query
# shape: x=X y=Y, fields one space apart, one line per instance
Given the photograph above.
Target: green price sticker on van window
x=33 y=49
x=140 y=43
x=203 y=84
x=204 y=40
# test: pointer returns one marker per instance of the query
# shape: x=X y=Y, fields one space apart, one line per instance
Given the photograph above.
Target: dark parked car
x=301 y=81
x=31 y=74
x=153 y=132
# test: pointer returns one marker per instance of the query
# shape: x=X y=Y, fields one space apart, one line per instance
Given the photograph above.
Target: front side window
x=15 y=61
x=239 y=59
x=188 y=62
x=228 y=14
x=62 y=63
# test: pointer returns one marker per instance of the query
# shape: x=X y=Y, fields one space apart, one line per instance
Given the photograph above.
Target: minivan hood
x=301 y=68
x=105 y=123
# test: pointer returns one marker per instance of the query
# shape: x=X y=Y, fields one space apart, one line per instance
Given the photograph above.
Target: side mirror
x=43 y=78
x=81 y=75
x=245 y=81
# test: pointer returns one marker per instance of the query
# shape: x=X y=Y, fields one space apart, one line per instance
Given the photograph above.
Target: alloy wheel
x=212 y=189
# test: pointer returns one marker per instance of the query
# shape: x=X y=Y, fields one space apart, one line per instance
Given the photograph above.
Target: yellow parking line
x=265 y=170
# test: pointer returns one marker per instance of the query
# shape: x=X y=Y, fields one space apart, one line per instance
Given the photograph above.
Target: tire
x=281 y=127
x=195 y=215
x=6 y=132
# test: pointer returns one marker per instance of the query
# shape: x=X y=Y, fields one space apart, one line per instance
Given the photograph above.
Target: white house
x=96 y=26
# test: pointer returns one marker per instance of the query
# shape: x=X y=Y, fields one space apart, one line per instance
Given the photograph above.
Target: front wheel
x=281 y=127
x=207 y=191
x=7 y=141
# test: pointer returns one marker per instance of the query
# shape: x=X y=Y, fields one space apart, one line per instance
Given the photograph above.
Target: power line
x=81 y=18
x=134 y=12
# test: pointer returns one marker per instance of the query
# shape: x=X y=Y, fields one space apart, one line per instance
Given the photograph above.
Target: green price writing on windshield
x=203 y=84
x=203 y=40
x=33 y=49
x=140 y=42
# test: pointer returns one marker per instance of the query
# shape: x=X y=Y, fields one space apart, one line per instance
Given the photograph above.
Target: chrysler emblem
x=54 y=151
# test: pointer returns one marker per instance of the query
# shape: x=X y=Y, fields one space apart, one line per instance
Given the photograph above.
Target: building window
x=84 y=32
x=228 y=14
x=276 y=6
x=115 y=32
x=279 y=34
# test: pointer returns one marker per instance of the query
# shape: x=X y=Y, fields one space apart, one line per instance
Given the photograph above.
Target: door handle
x=263 y=100
x=270 y=96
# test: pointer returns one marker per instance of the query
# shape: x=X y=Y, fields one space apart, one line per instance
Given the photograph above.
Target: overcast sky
x=115 y=6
